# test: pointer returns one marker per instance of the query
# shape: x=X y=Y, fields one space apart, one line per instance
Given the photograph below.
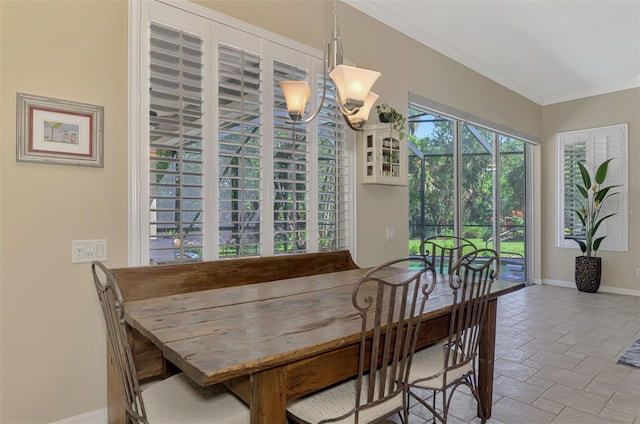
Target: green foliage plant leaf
x=596 y=242
x=593 y=197
x=396 y=119
x=583 y=191
x=582 y=245
x=601 y=173
x=586 y=179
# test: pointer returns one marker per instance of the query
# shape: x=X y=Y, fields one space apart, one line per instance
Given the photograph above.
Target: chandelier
x=353 y=85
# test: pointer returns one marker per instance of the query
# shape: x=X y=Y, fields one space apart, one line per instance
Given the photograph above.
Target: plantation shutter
x=333 y=177
x=290 y=171
x=175 y=145
x=293 y=179
x=239 y=152
x=610 y=142
x=574 y=152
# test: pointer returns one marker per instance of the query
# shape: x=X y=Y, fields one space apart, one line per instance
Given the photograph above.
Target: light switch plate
x=83 y=251
x=391 y=233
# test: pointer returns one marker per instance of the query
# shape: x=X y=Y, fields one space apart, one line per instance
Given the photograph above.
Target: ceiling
x=547 y=51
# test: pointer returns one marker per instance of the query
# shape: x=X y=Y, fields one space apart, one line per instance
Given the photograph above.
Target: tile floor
x=556 y=353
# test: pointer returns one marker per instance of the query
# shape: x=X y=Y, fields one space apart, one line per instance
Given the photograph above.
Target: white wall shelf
x=385 y=156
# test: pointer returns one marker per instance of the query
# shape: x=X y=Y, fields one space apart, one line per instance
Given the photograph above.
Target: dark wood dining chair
x=384 y=297
x=443 y=251
x=173 y=400
x=442 y=368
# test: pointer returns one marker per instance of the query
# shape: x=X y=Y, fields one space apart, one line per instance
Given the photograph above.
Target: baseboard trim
x=98 y=416
x=604 y=289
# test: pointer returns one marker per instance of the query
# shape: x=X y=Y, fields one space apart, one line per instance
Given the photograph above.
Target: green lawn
x=507 y=248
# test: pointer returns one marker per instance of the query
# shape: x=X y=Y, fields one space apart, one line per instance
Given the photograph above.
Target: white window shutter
x=175 y=145
x=334 y=174
x=291 y=188
x=574 y=151
x=613 y=141
x=239 y=152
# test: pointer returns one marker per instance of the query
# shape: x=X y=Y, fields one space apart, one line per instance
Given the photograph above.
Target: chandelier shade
x=296 y=94
x=353 y=85
x=358 y=120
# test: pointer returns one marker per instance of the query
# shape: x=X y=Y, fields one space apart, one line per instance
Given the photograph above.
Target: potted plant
x=588 y=268
x=387 y=114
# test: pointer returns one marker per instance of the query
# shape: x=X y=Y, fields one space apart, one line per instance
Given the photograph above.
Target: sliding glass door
x=468 y=181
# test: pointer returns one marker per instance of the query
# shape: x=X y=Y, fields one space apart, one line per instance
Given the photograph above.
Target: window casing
x=215 y=171
x=592 y=147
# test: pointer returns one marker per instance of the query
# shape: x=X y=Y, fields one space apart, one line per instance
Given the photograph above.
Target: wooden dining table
x=276 y=341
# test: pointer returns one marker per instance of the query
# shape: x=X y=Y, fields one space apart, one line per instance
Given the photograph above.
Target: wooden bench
x=144 y=282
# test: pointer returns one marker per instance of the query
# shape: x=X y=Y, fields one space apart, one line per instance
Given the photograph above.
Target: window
x=470 y=180
x=215 y=169
x=592 y=147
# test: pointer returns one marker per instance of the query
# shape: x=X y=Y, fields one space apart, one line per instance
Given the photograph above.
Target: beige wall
x=618 y=268
x=52 y=337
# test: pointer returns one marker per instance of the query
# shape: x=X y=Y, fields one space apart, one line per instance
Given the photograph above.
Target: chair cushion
x=177 y=399
x=429 y=362
x=339 y=400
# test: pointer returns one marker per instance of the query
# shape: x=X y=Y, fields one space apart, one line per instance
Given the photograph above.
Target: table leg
x=487 y=357
x=268 y=397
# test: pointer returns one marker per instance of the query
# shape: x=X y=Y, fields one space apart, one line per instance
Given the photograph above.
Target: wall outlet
x=83 y=251
x=638 y=272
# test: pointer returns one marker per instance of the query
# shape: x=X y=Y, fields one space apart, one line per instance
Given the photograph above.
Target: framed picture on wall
x=59 y=131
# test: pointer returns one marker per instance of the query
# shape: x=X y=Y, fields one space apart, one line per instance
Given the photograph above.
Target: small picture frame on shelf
x=59 y=131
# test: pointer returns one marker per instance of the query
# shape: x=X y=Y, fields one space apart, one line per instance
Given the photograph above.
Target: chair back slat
x=444 y=251
x=113 y=311
x=390 y=300
x=471 y=279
